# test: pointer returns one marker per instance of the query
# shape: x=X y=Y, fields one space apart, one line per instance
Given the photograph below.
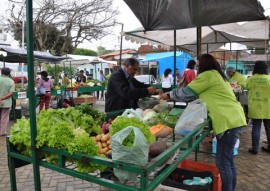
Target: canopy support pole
x=31 y=93
x=236 y=60
x=174 y=57
x=121 y=44
x=199 y=41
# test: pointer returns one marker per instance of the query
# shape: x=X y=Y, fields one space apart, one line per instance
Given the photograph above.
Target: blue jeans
x=256 y=132
x=224 y=158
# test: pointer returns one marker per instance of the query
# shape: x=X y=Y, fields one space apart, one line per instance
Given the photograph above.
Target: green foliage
x=86 y=52
x=89 y=110
x=122 y=122
x=54 y=71
x=163 y=118
x=64 y=129
x=85 y=145
x=102 y=50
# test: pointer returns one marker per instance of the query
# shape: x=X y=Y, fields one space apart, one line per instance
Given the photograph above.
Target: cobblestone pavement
x=253 y=171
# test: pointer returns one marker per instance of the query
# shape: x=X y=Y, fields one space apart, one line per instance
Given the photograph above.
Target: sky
x=112 y=42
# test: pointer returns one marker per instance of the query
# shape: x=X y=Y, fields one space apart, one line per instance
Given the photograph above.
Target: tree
x=59 y=24
x=102 y=50
x=86 y=52
x=54 y=71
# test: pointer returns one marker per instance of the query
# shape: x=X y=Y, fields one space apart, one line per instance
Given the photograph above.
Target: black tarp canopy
x=181 y=14
x=20 y=56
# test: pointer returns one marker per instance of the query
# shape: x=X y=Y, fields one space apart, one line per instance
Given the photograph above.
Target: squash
x=156 y=128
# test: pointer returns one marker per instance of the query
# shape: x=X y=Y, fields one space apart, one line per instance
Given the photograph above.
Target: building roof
x=255 y=57
x=116 y=53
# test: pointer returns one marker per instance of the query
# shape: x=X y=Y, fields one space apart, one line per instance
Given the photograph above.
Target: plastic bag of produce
x=25 y=107
x=194 y=114
x=136 y=154
x=132 y=113
x=147 y=103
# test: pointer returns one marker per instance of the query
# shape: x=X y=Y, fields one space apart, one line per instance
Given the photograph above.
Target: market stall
x=96 y=167
x=66 y=157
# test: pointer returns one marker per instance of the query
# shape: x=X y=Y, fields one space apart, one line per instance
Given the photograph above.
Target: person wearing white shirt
x=167 y=80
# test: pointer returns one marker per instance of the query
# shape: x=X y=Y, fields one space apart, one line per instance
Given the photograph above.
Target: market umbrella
x=181 y=14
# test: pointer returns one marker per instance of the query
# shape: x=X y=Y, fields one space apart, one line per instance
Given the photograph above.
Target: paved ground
x=253 y=171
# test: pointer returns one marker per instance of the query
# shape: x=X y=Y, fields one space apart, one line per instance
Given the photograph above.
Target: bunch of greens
x=164 y=118
x=89 y=110
x=104 y=83
x=93 y=81
x=84 y=145
x=64 y=129
x=122 y=122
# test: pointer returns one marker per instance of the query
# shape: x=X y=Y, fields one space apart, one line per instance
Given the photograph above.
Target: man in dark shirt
x=123 y=90
x=81 y=77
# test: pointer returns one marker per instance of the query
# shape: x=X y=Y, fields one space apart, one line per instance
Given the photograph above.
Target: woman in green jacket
x=225 y=111
x=258 y=86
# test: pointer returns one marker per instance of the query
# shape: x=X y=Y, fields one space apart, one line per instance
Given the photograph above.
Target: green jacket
x=258 y=87
x=240 y=79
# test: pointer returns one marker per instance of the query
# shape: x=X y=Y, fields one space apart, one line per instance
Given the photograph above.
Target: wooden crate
x=81 y=100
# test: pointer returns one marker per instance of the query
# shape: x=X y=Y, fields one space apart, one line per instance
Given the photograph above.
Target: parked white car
x=146 y=79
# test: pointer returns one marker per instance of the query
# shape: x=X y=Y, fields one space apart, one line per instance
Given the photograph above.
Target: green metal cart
x=147 y=180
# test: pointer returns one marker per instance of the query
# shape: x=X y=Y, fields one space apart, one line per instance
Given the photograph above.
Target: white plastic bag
x=194 y=114
x=132 y=113
x=137 y=154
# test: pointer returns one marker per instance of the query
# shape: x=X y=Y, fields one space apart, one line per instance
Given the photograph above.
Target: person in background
x=102 y=78
x=167 y=80
x=123 y=90
x=189 y=72
x=81 y=77
x=66 y=83
x=234 y=76
x=225 y=112
x=258 y=86
x=6 y=92
x=177 y=75
x=47 y=84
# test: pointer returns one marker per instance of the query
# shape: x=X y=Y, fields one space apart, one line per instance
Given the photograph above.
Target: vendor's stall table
x=147 y=180
x=88 y=89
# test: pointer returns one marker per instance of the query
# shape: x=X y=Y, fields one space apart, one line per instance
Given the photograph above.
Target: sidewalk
x=253 y=171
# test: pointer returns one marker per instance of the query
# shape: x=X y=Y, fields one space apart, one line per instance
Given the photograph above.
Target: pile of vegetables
x=65 y=129
x=122 y=122
x=104 y=143
x=152 y=118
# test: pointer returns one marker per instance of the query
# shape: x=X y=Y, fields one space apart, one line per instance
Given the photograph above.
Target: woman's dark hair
x=191 y=64
x=208 y=62
x=5 y=71
x=167 y=72
x=44 y=73
x=81 y=71
x=131 y=62
x=260 y=67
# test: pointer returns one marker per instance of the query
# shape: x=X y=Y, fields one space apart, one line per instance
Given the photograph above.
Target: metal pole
x=199 y=50
x=199 y=41
x=121 y=43
x=174 y=58
x=174 y=68
x=22 y=64
x=31 y=93
x=236 y=60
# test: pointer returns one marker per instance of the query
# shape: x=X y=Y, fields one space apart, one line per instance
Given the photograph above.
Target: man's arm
x=8 y=95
